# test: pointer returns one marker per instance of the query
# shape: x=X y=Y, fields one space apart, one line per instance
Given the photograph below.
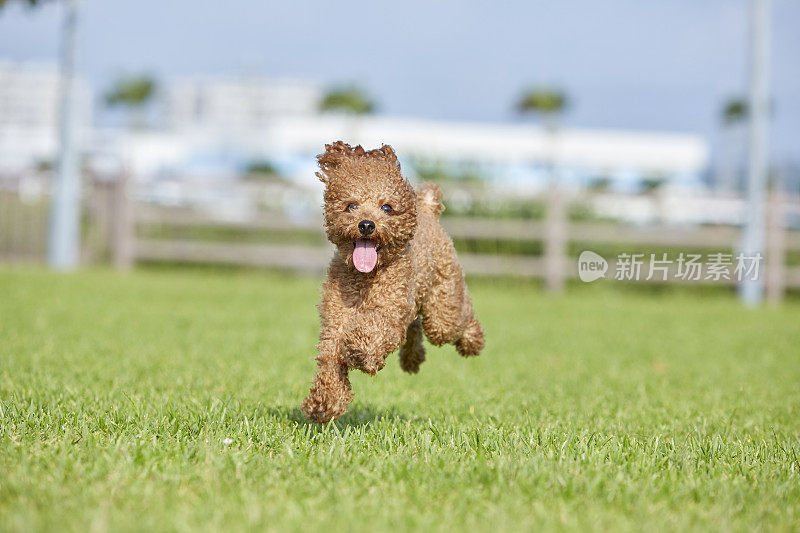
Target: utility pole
x=64 y=233
x=751 y=292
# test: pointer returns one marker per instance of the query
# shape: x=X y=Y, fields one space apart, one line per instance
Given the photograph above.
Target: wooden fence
x=556 y=233
x=23 y=227
x=24 y=218
x=123 y=232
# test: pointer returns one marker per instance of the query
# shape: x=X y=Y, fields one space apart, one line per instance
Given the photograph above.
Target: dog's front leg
x=330 y=393
x=371 y=336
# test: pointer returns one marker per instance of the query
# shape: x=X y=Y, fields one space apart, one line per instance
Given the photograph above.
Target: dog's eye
x=387 y=209
x=350 y=207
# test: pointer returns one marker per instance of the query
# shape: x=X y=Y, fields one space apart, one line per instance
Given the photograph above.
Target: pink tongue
x=365 y=257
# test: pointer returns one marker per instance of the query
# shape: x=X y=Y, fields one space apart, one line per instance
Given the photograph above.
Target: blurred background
x=134 y=133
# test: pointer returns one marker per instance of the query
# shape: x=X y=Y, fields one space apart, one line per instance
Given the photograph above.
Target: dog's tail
x=429 y=199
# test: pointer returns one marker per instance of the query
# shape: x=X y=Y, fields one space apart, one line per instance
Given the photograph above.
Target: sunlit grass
x=169 y=400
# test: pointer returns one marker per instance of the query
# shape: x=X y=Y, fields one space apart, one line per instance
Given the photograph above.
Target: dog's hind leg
x=448 y=317
x=472 y=341
x=412 y=352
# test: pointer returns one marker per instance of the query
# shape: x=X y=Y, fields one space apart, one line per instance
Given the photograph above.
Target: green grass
x=168 y=400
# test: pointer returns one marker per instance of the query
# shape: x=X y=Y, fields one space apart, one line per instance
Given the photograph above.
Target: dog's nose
x=366 y=227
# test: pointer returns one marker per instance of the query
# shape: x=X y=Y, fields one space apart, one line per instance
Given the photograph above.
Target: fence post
x=776 y=246
x=555 y=239
x=94 y=236
x=122 y=222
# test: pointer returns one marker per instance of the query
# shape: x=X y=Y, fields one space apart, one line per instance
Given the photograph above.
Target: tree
x=31 y=3
x=263 y=171
x=550 y=103
x=734 y=111
x=133 y=93
x=350 y=100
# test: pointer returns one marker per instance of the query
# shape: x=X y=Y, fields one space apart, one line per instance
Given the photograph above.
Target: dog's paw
x=472 y=341
x=322 y=409
x=317 y=414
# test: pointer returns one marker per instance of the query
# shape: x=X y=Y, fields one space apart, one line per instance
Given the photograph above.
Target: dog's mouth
x=365 y=255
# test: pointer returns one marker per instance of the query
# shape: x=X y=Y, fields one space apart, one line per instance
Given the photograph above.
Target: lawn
x=168 y=400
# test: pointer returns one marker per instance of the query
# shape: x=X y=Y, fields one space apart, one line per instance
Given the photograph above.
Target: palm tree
x=550 y=103
x=133 y=93
x=735 y=110
x=351 y=101
x=733 y=115
x=31 y=3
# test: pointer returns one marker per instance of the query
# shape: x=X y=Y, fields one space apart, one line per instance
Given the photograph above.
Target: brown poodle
x=393 y=276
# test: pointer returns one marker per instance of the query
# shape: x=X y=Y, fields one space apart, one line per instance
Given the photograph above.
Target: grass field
x=168 y=400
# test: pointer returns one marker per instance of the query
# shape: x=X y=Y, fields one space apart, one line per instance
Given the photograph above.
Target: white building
x=29 y=113
x=294 y=141
x=503 y=150
x=511 y=156
x=245 y=103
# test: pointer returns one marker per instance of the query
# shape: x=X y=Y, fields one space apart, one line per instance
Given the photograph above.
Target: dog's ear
x=332 y=158
x=389 y=155
x=388 y=152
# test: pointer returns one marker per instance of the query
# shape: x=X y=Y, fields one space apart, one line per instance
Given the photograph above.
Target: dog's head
x=370 y=210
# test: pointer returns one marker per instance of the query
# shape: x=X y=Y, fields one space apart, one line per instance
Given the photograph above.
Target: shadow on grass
x=356 y=416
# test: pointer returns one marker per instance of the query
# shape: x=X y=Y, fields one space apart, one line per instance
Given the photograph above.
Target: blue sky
x=631 y=64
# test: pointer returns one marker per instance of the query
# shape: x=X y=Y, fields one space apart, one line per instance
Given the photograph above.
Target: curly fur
x=417 y=286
